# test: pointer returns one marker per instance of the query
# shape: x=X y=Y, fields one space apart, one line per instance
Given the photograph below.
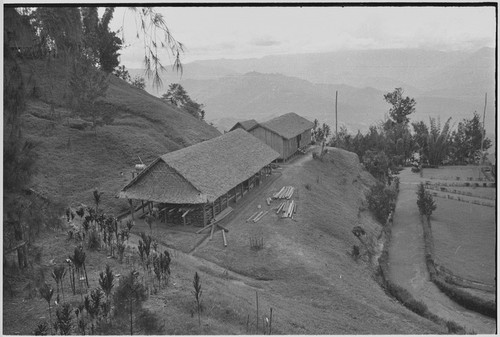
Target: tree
x=420 y=138
x=106 y=281
x=87 y=84
x=97 y=199
x=401 y=107
x=122 y=72
x=377 y=163
x=46 y=292
x=381 y=201
x=139 y=82
x=425 y=202
x=197 y=294
x=153 y=25
x=129 y=296
x=58 y=274
x=466 y=140
x=108 y=43
x=438 y=141
x=176 y=95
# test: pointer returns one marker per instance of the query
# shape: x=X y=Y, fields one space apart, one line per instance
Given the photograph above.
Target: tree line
x=398 y=142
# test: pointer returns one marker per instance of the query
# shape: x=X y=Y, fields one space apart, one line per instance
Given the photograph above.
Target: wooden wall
x=270 y=138
x=285 y=147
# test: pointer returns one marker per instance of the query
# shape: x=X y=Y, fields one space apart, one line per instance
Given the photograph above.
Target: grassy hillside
x=72 y=162
x=303 y=271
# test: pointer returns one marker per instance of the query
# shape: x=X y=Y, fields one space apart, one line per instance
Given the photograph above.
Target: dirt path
x=407 y=262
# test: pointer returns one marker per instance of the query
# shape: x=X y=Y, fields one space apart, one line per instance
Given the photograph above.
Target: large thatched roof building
x=286 y=134
x=203 y=178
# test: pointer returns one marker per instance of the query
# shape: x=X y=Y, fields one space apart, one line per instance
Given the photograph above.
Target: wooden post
x=213 y=210
x=204 y=215
x=227 y=199
x=336 y=130
x=142 y=204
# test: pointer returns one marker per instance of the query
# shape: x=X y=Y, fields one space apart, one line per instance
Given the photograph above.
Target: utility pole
x=336 y=129
x=483 y=134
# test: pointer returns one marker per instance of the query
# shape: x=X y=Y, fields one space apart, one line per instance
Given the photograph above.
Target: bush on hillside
x=381 y=201
x=425 y=202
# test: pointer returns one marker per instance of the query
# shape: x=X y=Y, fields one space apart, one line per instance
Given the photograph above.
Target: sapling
x=64 y=319
x=46 y=292
x=197 y=295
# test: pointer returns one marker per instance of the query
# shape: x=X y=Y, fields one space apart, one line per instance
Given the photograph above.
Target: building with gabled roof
x=245 y=125
x=285 y=134
x=199 y=181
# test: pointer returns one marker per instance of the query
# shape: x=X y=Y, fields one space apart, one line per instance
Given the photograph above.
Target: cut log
x=276 y=195
x=212 y=232
x=185 y=213
x=222 y=228
x=224 y=238
x=260 y=213
x=206 y=227
x=252 y=217
x=260 y=217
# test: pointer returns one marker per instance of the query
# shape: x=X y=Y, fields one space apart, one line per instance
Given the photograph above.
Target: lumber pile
x=286 y=192
x=257 y=216
x=287 y=208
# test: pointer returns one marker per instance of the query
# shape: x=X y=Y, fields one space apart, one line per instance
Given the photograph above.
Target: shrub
x=454 y=328
x=64 y=320
x=93 y=242
x=425 y=202
x=42 y=329
x=129 y=296
x=148 y=323
x=381 y=201
x=355 y=252
x=197 y=295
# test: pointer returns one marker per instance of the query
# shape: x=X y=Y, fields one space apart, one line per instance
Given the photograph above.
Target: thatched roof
x=245 y=125
x=202 y=172
x=288 y=125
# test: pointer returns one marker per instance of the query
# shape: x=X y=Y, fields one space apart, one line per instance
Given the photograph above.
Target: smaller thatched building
x=245 y=125
x=195 y=184
x=285 y=134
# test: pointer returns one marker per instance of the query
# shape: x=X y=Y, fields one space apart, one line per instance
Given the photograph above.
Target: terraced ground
x=407 y=255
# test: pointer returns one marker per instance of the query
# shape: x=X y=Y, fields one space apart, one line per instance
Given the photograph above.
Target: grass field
x=464 y=233
x=464 y=173
x=464 y=237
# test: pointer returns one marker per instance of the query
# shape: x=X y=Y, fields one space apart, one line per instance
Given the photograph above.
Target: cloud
x=264 y=42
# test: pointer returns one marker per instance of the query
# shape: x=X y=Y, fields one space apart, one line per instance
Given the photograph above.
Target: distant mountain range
x=444 y=84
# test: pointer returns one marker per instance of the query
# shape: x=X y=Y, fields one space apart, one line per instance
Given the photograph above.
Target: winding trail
x=407 y=262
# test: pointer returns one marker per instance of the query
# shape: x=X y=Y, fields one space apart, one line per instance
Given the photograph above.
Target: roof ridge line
x=185 y=179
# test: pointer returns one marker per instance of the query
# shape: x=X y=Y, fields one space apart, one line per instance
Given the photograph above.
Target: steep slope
x=72 y=161
x=304 y=270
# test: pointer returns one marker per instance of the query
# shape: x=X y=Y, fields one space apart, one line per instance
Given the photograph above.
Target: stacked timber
x=286 y=192
x=257 y=216
x=287 y=208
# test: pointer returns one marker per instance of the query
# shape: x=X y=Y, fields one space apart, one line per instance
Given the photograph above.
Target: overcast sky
x=241 y=32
